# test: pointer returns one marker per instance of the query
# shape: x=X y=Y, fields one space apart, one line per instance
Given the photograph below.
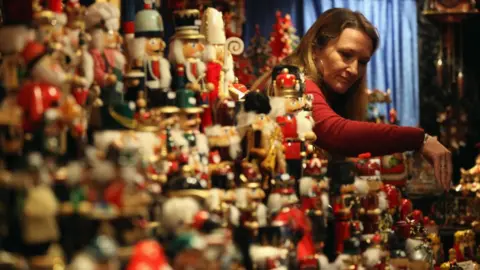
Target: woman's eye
x=346 y=55
x=193 y=44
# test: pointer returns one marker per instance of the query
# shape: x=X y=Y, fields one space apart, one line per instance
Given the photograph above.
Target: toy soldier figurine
x=296 y=125
x=51 y=20
x=218 y=68
x=184 y=55
x=149 y=31
x=262 y=137
x=224 y=143
x=342 y=175
x=109 y=63
x=315 y=203
x=17 y=15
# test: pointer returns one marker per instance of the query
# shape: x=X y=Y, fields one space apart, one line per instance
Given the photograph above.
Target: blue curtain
x=395 y=64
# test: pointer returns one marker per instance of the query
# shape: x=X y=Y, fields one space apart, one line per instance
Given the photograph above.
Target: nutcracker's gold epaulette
x=187 y=12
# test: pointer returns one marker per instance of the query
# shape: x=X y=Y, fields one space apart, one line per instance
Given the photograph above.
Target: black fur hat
x=258 y=102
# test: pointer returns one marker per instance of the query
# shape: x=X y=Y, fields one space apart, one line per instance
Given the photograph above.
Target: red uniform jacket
x=345 y=137
x=35 y=98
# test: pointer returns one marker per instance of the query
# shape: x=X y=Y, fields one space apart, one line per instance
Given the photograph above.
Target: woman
x=334 y=54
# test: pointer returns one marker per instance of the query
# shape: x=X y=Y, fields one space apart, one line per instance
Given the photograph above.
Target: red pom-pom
x=365 y=155
x=199 y=219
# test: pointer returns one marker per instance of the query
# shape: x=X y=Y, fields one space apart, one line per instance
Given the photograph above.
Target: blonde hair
x=326 y=28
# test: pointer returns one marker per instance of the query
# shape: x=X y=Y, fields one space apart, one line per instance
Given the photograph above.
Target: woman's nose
x=353 y=68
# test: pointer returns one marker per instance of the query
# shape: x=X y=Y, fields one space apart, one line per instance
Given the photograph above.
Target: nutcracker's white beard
x=229 y=67
x=98 y=39
x=136 y=48
x=235 y=147
x=175 y=54
x=48 y=72
x=278 y=107
x=209 y=53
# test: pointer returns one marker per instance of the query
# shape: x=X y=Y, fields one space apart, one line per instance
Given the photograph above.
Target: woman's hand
x=441 y=159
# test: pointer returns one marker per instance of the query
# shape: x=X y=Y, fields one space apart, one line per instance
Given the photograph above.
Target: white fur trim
x=202 y=143
x=323 y=262
x=262 y=214
x=234 y=215
x=178 y=213
x=209 y=53
x=260 y=254
x=371 y=257
x=229 y=66
x=213 y=131
x=382 y=201
x=235 y=146
x=82 y=261
x=103 y=171
x=131 y=175
x=241 y=197
x=87 y=65
x=175 y=54
x=74 y=172
x=305 y=123
x=306 y=185
x=13 y=39
x=278 y=107
x=244 y=120
x=145 y=141
x=275 y=202
x=136 y=47
x=103 y=11
x=103 y=139
x=411 y=244
x=361 y=186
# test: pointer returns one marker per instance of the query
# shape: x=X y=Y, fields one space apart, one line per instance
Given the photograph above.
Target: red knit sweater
x=341 y=136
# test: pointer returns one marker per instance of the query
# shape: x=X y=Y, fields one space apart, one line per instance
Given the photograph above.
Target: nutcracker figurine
x=149 y=31
x=343 y=200
x=41 y=93
x=296 y=125
x=16 y=15
x=315 y=203
x=261 y=135
x=218 y=69
x=109 y=64
x=224 y=144
x=184 y=54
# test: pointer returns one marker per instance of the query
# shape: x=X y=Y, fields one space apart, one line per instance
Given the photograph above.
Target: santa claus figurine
x=149 y=33
x=42 y=91
x=109 y=63
x=219 y=69
x=185 y=52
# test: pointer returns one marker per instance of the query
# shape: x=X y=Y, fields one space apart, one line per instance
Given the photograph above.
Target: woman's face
x=344 y=60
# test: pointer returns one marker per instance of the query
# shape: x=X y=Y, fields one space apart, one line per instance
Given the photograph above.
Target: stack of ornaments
x=115 y=157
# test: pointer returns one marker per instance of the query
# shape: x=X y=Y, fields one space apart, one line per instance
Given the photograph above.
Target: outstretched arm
x=351 y=138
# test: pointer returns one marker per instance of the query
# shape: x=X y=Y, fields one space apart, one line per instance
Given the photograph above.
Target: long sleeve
x=351 y=138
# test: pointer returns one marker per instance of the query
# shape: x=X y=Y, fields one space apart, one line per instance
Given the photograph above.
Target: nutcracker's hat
x=32 y=53
x=51 y=14
x=17 y=12
x=119 y=116
x=76 y=14
x=187 y=24
x=213 y=27
x=342 y=173
x=186 y=184
x=148 y=22
x=288 y=81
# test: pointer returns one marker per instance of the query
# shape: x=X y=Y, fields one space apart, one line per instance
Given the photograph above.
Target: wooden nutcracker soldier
x=261 y=136
x=224 y=144
x=343 y=200
x=16 y=15
x=315 y=203
x=296 y=128
x=50 y=20
x=109 y=64
x=149 y=31
x=184 y=55
x=219 y=68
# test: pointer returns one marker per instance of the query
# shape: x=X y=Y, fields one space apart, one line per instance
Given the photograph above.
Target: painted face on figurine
x=190 y=121
x=168 y=120
x=113 y=40
x=154 y=46
x=293 y=104
x=192 y=48
x=45 y=32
